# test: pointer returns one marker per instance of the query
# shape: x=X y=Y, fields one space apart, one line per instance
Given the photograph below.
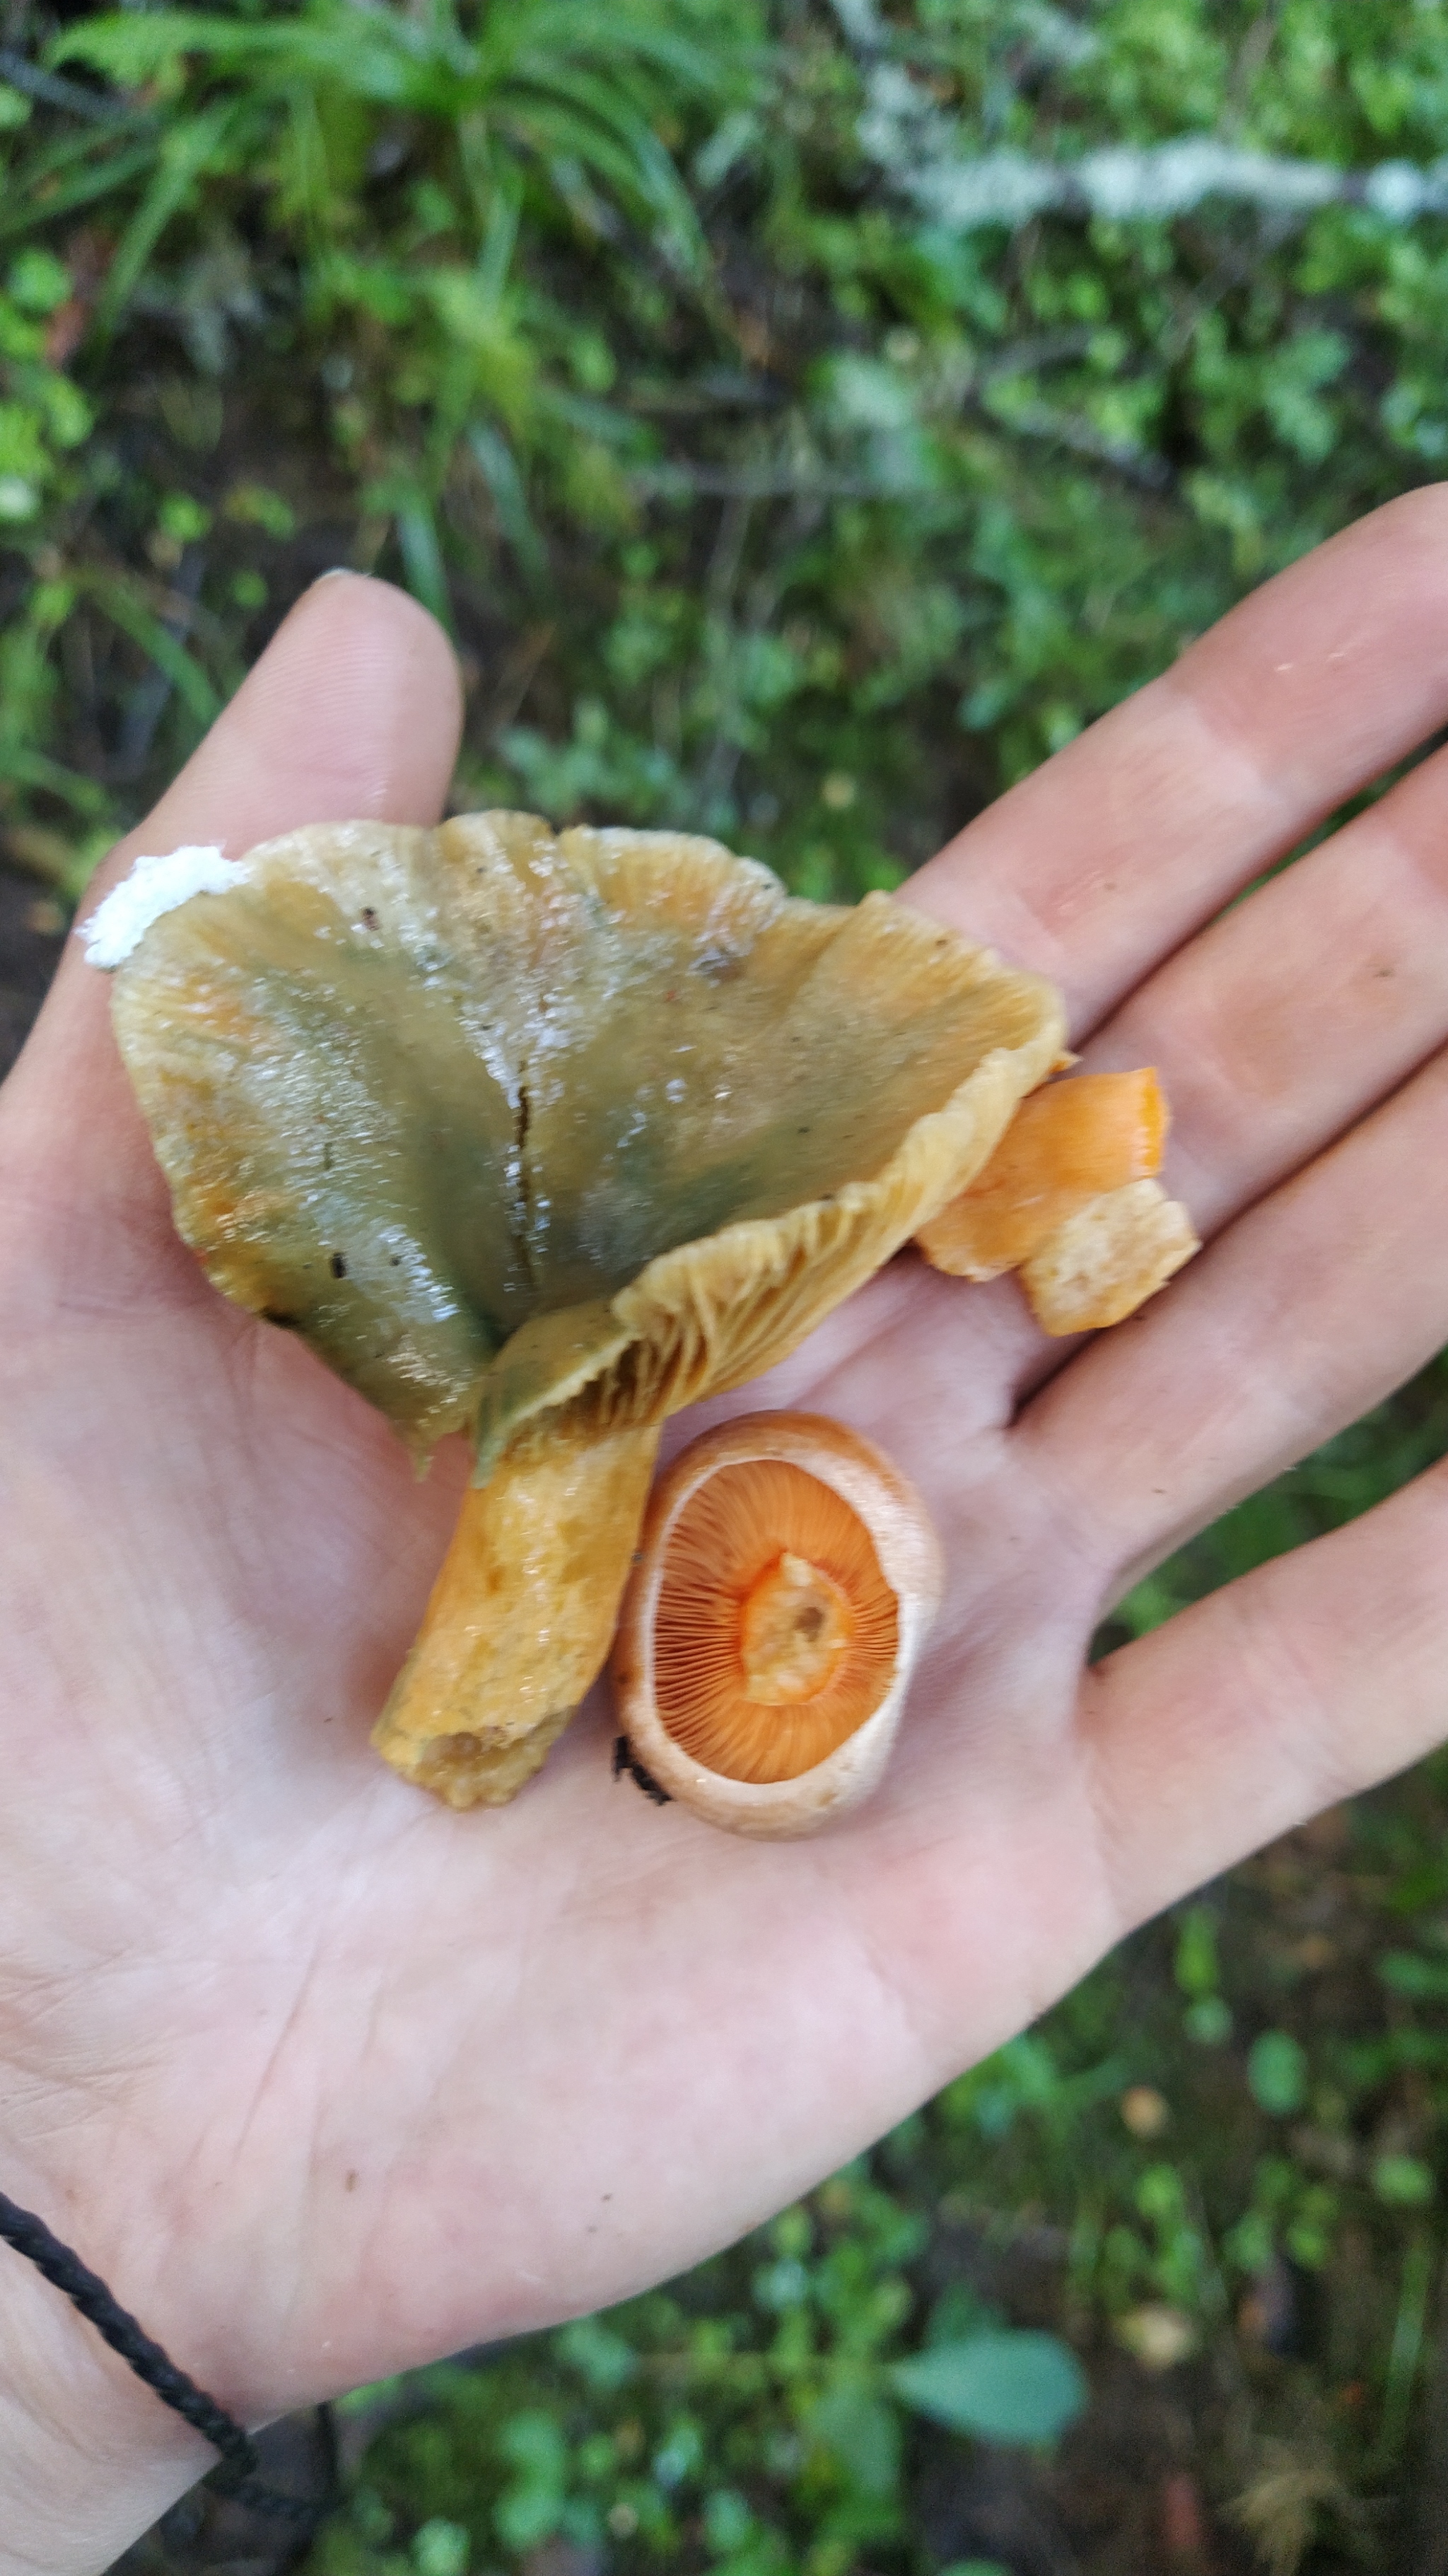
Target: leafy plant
x=1003 y=2387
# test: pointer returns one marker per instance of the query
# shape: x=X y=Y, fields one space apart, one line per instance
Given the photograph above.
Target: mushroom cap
x=502 y=1121
x=667 y=1671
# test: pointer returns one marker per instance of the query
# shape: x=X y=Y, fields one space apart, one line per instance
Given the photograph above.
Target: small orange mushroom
x=1069 y=1142
x=1068 y=1200
x=787 y=1578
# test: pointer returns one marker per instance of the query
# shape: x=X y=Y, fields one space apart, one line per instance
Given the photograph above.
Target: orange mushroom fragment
x=1068 y=1143
x=1108 y=1258
x=787 y=1578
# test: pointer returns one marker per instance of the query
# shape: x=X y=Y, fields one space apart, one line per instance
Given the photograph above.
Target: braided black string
x=85 y=2290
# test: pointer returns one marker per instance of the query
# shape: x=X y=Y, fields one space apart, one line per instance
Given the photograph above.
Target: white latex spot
x=153 y=886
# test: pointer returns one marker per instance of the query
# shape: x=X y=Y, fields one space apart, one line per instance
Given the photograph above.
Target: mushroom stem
x=521 y=1615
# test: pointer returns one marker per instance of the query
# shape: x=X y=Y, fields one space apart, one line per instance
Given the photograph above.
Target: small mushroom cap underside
x=787 y=1578
x=502 y=1121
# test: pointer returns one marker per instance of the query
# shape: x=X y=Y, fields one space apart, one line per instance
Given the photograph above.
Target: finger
x=352 y=711
x=1127 y=841
x=1296 y=1686
x=1311 y=1308
x=1273 y=1031
x=1301 y=1008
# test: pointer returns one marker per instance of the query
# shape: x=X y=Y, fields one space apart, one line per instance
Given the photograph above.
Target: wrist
x=89 y=2457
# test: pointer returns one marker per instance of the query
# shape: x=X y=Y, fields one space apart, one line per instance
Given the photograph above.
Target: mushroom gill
x=786 y=1579
x=775 y=1632
x=540 y=1138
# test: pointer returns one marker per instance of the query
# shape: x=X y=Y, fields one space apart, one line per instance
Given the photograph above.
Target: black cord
x=236 y=2478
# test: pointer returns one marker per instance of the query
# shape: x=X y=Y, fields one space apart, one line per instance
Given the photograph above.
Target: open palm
x=327 y=2079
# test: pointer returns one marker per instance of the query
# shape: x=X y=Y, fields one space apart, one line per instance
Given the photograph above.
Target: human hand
x=326 y=2079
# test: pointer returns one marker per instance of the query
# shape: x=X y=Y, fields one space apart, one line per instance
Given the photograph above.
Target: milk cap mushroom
x=787 y=1578
x=1067 y=1144
x=1069 y=1201
x=539 y=1138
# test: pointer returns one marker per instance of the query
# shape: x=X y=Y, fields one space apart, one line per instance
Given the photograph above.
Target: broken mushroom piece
x=1068 y=1200
x=1108 y=1258
x=538 y=1139
x=1066 y=1144
x=787 y=1578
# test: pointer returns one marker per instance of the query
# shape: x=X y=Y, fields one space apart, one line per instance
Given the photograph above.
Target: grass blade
x=126 y=610
x=184 y=154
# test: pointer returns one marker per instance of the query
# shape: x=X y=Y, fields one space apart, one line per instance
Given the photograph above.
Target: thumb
x=352 y=712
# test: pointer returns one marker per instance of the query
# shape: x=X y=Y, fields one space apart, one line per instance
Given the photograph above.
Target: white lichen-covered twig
x=926 y=155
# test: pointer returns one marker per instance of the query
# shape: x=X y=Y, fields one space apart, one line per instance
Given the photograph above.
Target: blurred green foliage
x=759 y=499
x=763 y=499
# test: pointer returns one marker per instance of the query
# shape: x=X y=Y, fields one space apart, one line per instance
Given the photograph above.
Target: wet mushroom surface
x=539 y=1138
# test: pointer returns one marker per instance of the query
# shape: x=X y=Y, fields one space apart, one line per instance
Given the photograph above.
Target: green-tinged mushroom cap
x=545 y=1137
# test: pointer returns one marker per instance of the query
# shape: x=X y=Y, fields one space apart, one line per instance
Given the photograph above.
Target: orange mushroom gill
x=776 y=1632
x=785 y=1586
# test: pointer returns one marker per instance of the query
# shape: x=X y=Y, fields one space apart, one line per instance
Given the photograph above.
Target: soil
x=32 y=928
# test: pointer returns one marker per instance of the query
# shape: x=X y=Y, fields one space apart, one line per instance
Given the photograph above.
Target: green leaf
x=1404 y=1972
x=96 y=176
x=1208 y=2021
x=38 y=281
x=187 y=678
x=421 y=550
x=441 y=2549
x=1196 y=1958
x=257 y=505
x=530 y=2510
x=728 y=2521
x=601 y=2357
x=960 y=2314
x=1277 y=2073
x=863 y=2435
x=534 y=2442
x=526 y=2515
x=134 y=48
x=498 y=466
x=183 y=517
x=1002 y=2387
x=1404 y=2182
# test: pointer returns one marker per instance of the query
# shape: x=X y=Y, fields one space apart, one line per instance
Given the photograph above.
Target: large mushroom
x=540 y=1138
